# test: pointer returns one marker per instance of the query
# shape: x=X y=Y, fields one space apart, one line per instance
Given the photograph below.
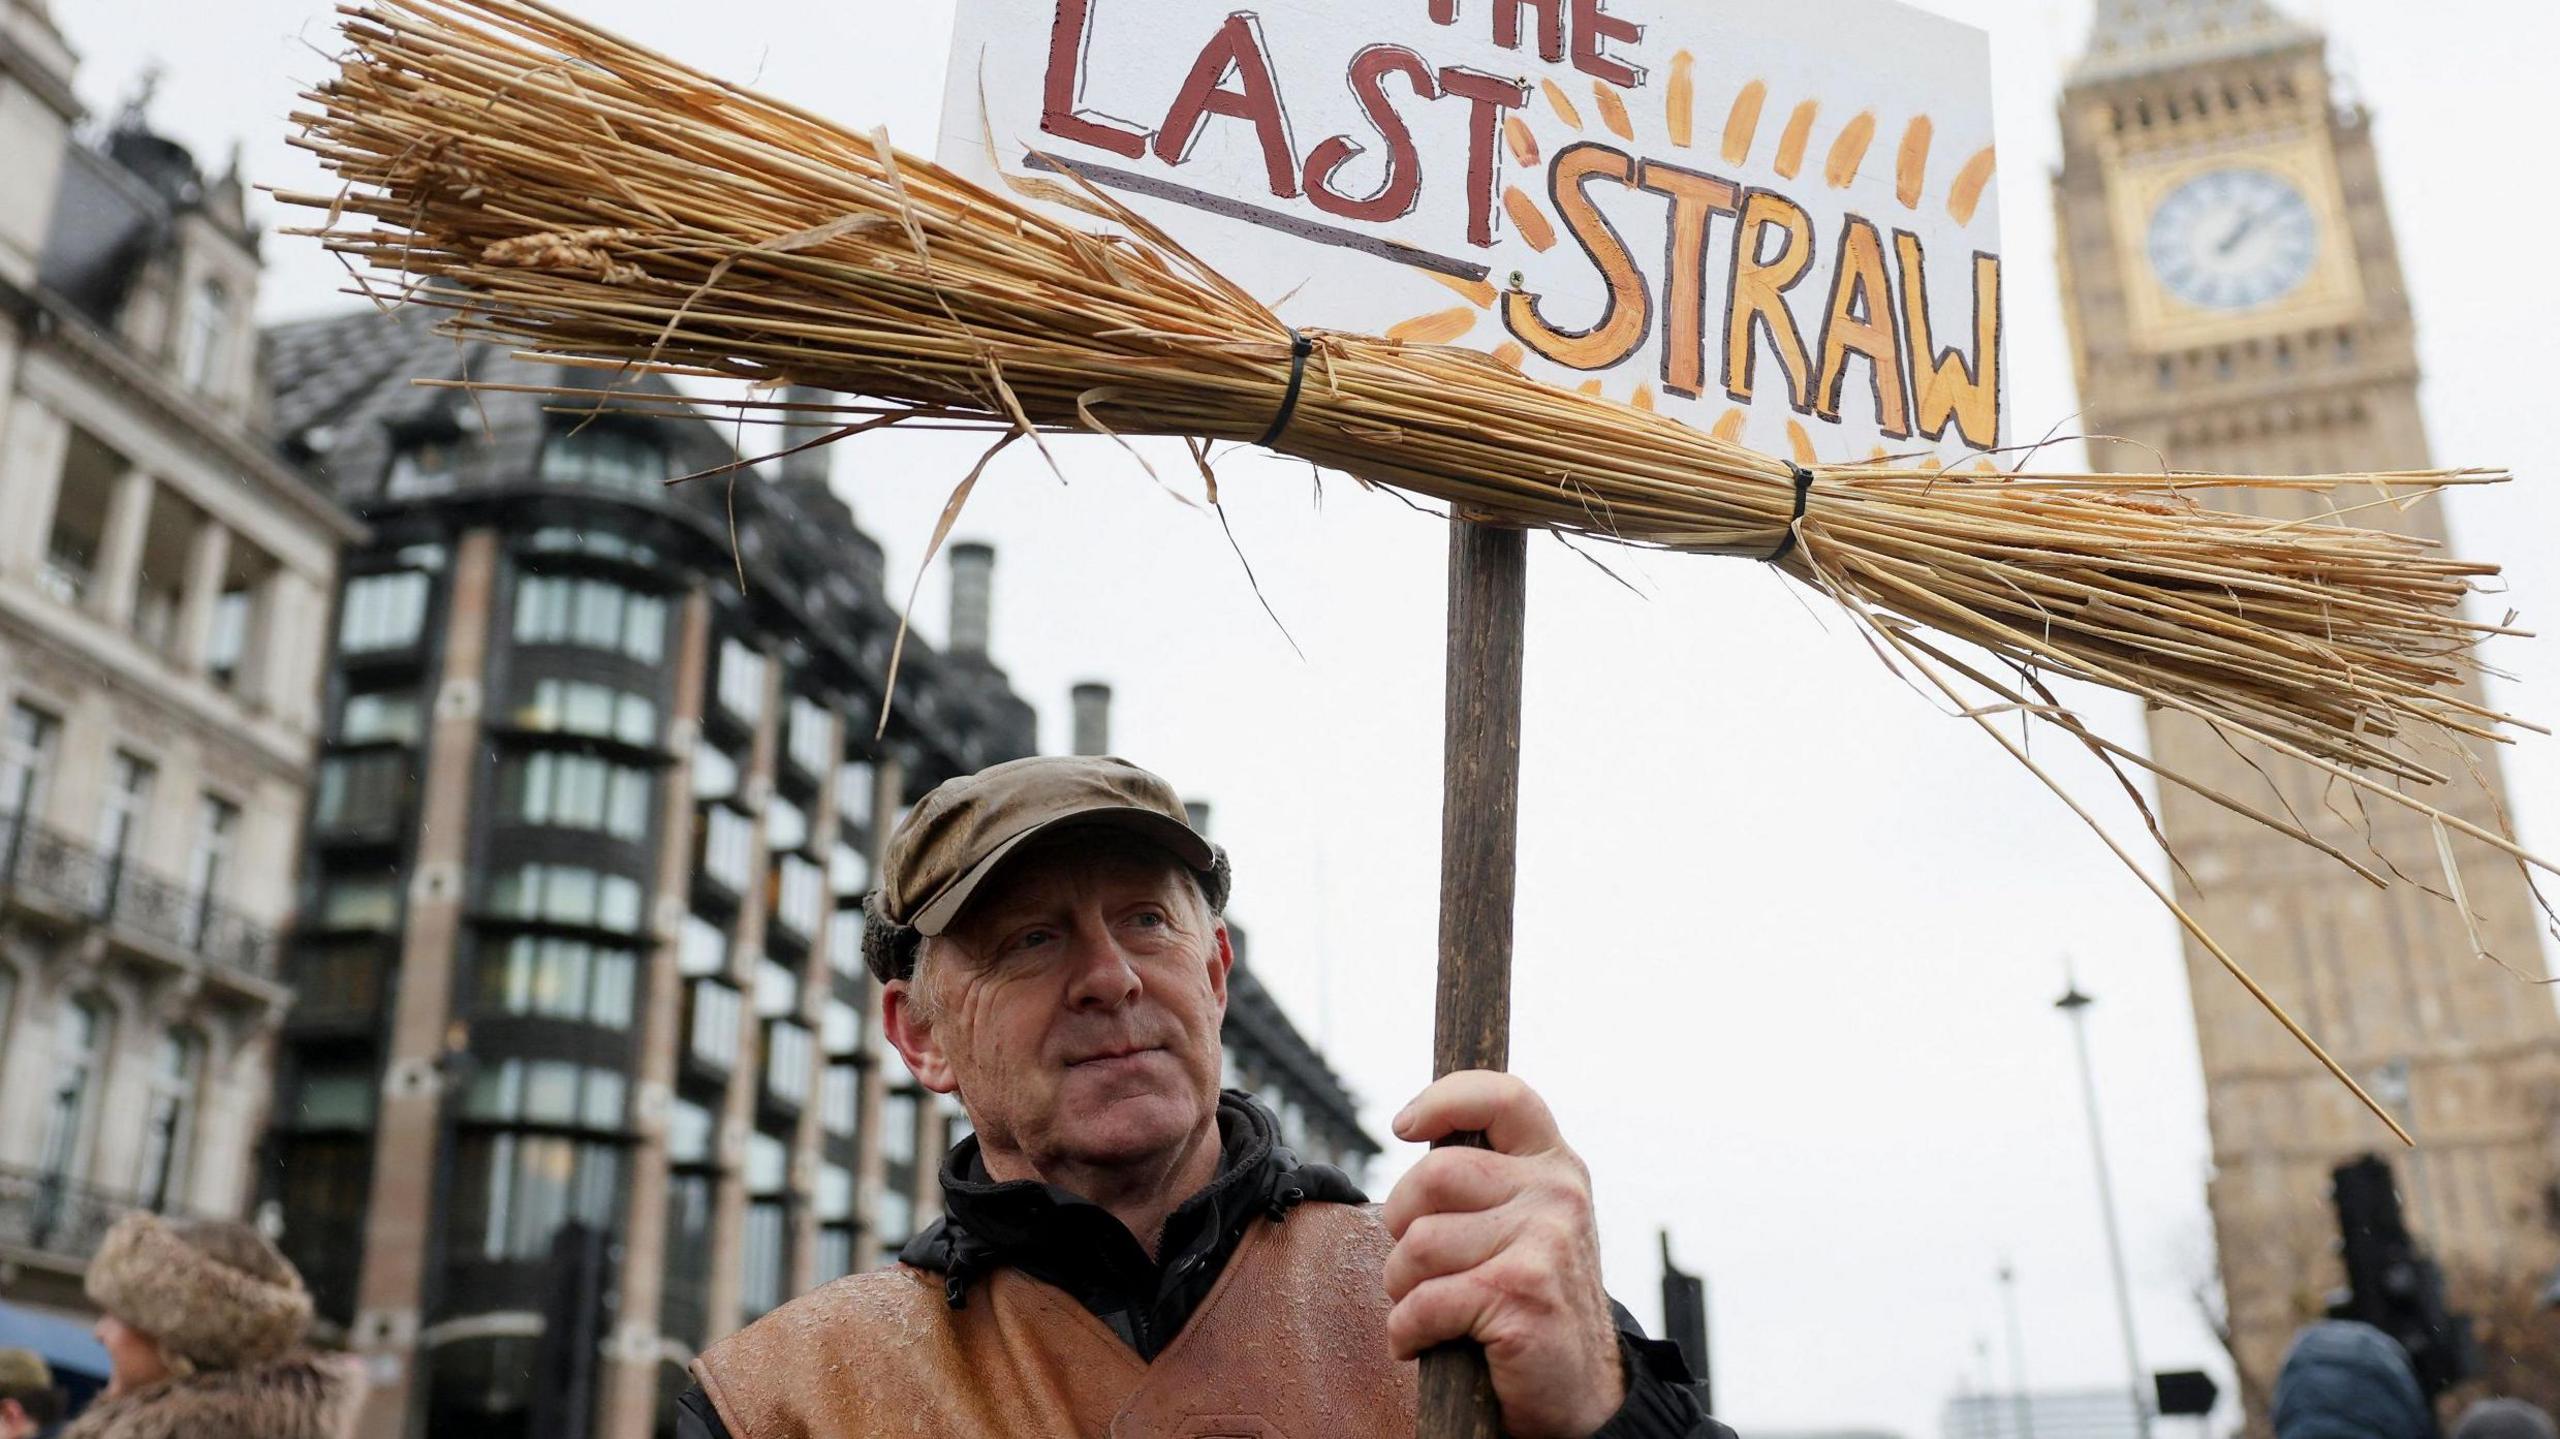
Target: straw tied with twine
x=584 y=199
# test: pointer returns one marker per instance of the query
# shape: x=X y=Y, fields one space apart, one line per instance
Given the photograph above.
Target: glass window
x=334 y=1096
x=204 y=341
x=800 y=894
x=742 y=680
x=833 y=1196
x=583 y=707
x=127 y=806
x=728 y=847
x=835 y=1252
x=424 y=465
x=559 y=978
x=768 y=1169
x=382 y=612
x=691 y=1133
x=595 y=613
x=363 y=794
x=26 y=761
x=606 y=457
x=897 y=1219
x=512 y=1192
x=849 y=871
x=80 y=1029
x=763 y=1258
x=340 y=980
x=898 y=1113
x=811 y=736
x=701 y=947
x=227 y=643
x=841 y=1028
x=840 y=1100
x=389 y=716
x=853 y=793
x=350 y=901
x=575 y=791
x=777 y=990
x=566 y=894
x=844 y=944
x=548 y=1091
x=217 y=835
x=713 y=1031
x=787 y=1057
x=715 y=774
x=786 y=825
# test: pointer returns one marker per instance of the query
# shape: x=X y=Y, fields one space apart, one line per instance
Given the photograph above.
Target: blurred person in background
x=2505 y=1419
x=2343 y=1380
x=28 y=1400
x=203 y=1324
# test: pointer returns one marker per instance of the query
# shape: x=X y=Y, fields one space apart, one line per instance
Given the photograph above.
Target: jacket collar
x=1006 y=1219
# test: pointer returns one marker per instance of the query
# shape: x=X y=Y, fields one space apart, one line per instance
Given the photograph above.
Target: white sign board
x=1777 y=221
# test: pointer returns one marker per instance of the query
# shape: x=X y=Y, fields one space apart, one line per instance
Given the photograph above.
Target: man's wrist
x=1655 y=1406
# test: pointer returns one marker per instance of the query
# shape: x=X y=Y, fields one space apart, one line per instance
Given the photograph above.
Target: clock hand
x=2231 y=241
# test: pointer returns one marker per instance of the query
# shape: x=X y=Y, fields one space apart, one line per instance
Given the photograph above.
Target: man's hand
x=1497 y=1245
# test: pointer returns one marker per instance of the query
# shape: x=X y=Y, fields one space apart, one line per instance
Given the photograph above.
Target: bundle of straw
x=584 y=198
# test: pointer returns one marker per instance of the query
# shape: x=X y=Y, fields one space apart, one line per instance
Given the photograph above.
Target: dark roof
x=106 y=226
x=116 y=210
x=344 y=401
x=1255 y=1016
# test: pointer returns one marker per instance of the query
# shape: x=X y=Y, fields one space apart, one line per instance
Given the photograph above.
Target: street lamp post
x=2019 y=1402
x=2075 y=1004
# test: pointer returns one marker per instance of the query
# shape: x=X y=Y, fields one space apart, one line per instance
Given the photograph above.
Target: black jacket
x=1076 y=1246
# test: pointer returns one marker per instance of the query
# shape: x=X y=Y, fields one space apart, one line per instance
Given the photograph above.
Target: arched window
x=80 y=1029
x=206 y=341
x=169 y=1120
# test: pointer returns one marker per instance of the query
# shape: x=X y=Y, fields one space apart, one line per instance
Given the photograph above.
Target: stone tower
x=2234 y=294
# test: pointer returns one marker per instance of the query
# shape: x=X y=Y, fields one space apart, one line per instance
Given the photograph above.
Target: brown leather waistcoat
x=1290 y=1344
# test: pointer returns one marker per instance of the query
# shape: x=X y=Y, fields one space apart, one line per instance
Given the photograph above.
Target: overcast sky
x=1788 y=939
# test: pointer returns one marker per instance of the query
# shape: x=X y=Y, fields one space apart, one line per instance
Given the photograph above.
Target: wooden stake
x=1479 y=855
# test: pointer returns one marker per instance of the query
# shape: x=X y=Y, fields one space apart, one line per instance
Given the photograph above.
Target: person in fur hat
x=28 y=1401
x=203 y=1326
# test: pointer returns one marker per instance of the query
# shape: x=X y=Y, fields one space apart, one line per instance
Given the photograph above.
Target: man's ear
x=906 y=1028
x=1223 y=961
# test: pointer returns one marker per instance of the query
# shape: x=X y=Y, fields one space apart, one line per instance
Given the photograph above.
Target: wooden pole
x=1479 y=850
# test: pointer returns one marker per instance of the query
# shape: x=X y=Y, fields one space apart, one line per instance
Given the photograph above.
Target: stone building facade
x=165 y=583
x=2236 y=305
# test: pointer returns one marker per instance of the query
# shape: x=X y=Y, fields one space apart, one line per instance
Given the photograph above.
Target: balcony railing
x=55 y=1215
x=110 y=890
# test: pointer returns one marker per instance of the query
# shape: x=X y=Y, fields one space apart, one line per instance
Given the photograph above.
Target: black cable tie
x=1299 y=348
x=1804 y=487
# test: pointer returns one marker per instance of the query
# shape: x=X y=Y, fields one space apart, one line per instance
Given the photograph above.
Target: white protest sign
x=1775 y=221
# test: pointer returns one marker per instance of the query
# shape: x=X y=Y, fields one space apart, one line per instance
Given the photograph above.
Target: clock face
x=2233 y=239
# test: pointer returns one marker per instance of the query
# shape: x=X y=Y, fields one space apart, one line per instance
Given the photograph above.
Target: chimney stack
x=807 y=467
x=1198 y=810
x=1091 y=703
x=973 y=577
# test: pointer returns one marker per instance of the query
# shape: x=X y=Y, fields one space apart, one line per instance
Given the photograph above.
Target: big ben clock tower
x=2234 y=294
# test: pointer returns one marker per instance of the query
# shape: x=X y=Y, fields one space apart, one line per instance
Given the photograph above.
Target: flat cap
x=961 y=832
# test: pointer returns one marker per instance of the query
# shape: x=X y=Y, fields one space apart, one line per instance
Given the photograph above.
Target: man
x=1127 y=1251
x=2344 y=1380
x=28 y=1400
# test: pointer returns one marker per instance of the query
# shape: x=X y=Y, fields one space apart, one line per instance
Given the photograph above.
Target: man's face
x=1075 y=1006
x=14 y=1423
